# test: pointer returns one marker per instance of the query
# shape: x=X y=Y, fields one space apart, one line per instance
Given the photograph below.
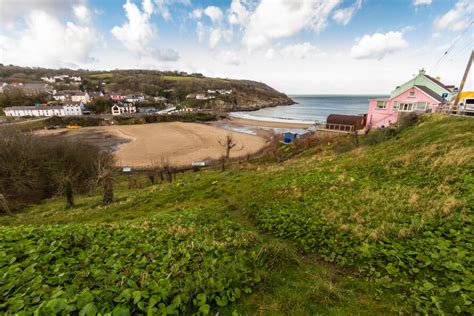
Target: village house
x=73 y=108
x=31 y=89
x=36 y=111
x=71 y=95
x=80 y=97
x=123 y=108
x=159 y=99
x=2 y=86
x=116 y=96
x=420 y=94
x=94 y=94
x=134 y=98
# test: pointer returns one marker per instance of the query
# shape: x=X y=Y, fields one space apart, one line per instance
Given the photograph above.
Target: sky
x=295 y=46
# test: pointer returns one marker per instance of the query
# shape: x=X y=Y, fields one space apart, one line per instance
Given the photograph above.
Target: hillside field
x=383 y=228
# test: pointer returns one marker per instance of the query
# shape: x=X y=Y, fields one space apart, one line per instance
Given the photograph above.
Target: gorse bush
x=180 y=263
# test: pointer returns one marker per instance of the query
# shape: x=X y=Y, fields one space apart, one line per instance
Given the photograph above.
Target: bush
x=34 y=168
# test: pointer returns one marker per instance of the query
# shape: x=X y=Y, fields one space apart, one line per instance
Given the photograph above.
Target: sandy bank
x=180 y=143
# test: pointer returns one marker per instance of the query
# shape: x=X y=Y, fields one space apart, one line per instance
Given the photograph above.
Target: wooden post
x=463 y=81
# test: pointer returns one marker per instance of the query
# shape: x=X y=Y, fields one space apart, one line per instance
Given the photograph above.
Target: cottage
x=123 y=108
x=134 y=98
x=420 y=94
x=346 y=123
x=159 y=99
x=117 y=97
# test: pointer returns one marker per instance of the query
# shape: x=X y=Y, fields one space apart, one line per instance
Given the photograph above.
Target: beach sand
x=180 y=143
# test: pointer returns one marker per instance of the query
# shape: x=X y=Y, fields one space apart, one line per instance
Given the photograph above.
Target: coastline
x=236 y=121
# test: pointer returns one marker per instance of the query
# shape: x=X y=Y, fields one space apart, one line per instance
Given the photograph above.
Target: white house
x=134 y=98
x=73 y=108
x=159 y=99
x=20 y=111
x=123 y=108
x=80 y=97
x=2 y=85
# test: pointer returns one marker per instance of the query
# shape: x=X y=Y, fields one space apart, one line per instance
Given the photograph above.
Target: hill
x=174 y=85
x=381 y=228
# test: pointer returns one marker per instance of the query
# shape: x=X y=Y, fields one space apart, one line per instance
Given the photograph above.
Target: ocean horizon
x=312 y=107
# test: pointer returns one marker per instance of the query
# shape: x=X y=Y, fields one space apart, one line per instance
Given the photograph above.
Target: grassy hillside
x=170 y=84
x=378 y=229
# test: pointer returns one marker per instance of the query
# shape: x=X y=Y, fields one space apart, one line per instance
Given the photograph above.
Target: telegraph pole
x=463 y=81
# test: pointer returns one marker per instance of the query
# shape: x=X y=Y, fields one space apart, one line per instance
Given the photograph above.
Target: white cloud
x=137 y=32
x=45 y=41
x=162 y=7
x=343 y=16
x=421 y=2
x=82 y=13
x=167 y=55
x=238 y=13
x=456 y=19
x=378 y=45
x=214 y=13
x=229 y=58
x=196 y=14
x=270 y=53
x=216 y=34
x=200 y=31
x=11 y=10
x=276 y=19
x=301 y=51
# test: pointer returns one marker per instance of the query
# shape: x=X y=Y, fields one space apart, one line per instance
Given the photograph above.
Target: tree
x=229 y=143
x=105 y=177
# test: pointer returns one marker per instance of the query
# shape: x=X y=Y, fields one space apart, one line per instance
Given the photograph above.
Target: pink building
x=421 y=94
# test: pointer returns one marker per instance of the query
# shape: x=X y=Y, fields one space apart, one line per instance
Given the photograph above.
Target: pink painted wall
x=384 y=117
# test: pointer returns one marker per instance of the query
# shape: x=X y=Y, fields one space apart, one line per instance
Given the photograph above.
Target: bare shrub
x=34 y=168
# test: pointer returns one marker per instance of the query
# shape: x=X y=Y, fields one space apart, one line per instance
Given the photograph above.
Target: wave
x=249 y=116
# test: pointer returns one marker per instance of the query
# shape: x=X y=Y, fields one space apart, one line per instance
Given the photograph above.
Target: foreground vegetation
x=396 y=214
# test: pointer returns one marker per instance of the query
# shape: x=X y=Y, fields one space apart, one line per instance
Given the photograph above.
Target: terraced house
x=421 y=94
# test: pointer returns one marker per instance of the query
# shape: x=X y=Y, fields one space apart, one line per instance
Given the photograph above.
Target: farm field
x=382 y=228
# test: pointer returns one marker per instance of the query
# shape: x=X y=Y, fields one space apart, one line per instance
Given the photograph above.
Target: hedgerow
x=182 y=263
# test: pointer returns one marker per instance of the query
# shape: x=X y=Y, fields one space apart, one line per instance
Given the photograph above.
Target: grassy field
x=374 y=230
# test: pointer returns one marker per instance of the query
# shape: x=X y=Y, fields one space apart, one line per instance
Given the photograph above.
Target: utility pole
x=463 y=81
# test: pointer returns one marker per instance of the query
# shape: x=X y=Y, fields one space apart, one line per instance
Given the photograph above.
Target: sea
x=311 y=108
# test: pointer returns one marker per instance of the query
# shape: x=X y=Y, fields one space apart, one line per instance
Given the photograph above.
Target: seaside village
x=75 y=102
x=423 y=93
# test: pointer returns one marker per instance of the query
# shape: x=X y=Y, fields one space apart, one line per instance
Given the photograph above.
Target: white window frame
x=384 y=105
x=404 y=107
x=421 y=109
x=396 y=106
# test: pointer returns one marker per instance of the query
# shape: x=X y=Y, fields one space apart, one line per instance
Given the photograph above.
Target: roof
x=343 y=119
x=33 y=86
x=94 y=93
x=75 y=103
x=431 y=93
x=19 y=108
x=439 y=83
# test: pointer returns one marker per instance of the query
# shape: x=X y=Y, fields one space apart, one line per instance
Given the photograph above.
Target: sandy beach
x=180 y=143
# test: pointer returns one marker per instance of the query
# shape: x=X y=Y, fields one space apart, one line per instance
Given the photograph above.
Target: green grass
x=101 y=76
x=179 y=78
x=379 y=229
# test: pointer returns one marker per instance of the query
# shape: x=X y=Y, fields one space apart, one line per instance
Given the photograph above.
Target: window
x=396 y=105
x=406 y=107
x=412 y=94
x=381 y=104
x=421 y=106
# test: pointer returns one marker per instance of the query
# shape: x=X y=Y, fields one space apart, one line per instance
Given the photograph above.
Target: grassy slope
x=387 y=194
